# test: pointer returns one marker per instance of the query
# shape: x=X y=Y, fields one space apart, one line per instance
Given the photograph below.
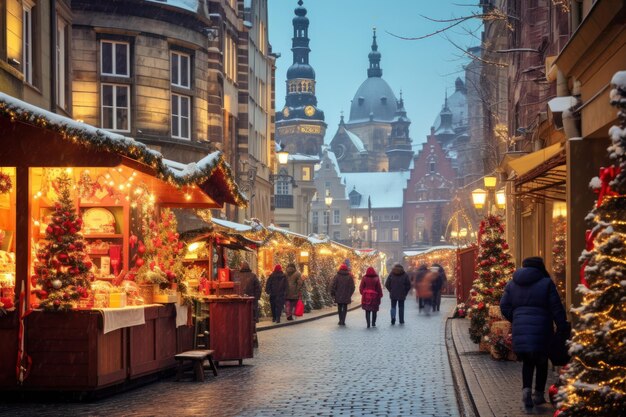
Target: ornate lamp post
x=328 y=200
x=489 y=197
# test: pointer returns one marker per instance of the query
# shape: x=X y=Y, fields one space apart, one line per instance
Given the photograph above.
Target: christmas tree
x=494 y=268
x=60 y=269
x=558 y=253
x=594 y=384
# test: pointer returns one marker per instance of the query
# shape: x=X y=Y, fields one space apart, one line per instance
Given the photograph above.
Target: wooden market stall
x=60 y=334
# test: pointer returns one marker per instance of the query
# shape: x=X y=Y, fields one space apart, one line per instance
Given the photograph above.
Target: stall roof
x=212 y=174
x=237 y=227
x=532 y=160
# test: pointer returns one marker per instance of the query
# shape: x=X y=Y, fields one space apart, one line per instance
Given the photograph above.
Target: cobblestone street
x=310 y=369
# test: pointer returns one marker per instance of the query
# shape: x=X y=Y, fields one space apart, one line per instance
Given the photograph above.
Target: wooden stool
x=197 y=357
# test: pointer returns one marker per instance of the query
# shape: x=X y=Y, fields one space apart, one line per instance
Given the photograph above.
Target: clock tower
x=300 y=123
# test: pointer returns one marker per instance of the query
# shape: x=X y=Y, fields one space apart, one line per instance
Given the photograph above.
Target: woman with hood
x=532 y=304
x=294 y=290
x=276 y=287
x=341 y=289
x=398 y=284
x=371 y=293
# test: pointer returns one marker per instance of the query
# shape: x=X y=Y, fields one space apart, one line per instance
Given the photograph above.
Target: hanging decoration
x=5 y=183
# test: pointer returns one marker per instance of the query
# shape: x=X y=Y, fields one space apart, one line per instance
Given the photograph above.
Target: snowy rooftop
x=384 y=188
x=298 y=157
x=237 y=227
x=356 y=141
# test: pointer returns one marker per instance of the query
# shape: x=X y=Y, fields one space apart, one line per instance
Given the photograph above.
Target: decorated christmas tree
x=60 y=269
x=594 y=384
x=494 y=268
x=559 y=226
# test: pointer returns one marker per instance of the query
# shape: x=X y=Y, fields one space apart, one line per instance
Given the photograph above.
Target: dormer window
x=355 y=198
x=383 y=100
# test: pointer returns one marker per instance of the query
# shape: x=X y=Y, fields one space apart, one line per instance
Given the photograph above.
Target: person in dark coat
x=250 y=286
x=398 y=285
x=417 y=281
x=276 y=288
x=531 y=303
x=438 y=285
x=295 y=284
x=341 y=289
x=371 y=293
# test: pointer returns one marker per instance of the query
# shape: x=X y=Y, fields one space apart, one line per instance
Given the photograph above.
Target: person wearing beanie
x=398 y=284
x=250 y=286
x=276 y=288
x=371 y=294
x=341 y=289
x=295 y=285
x=531 y=303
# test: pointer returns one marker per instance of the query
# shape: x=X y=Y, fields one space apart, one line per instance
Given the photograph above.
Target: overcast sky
x=341 y=38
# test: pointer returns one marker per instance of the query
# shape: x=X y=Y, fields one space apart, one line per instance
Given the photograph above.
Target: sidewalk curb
x=467 y=407
x=303 y=320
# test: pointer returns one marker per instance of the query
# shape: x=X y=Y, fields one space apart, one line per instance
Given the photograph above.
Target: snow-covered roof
x=298 y=157
x=237 y=227
x=189 y=5
x=560 y=104
x=356 y=141
x=82 y=134
x=384 y=188
x=410 y=253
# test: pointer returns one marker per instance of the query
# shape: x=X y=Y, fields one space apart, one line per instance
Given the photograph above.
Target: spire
x=300 y=40
x=401 y=101
x=374 y=57
x=341 y=122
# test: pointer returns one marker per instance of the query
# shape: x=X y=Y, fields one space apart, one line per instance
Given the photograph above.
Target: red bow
x=606 y=176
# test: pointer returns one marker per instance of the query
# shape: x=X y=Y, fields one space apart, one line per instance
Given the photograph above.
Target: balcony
x=282 y=201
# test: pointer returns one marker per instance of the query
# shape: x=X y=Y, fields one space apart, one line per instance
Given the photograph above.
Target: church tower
x=300 y=124
x=398 y=150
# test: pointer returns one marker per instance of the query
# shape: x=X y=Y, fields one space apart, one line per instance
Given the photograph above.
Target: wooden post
x=22 y=226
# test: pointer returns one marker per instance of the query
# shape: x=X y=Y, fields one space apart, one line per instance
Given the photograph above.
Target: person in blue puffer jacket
x=531 y=303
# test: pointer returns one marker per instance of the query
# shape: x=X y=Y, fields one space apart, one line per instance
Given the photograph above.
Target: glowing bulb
x=68 y=170
x=107 y=175
x=187 y=197
x=111 y=183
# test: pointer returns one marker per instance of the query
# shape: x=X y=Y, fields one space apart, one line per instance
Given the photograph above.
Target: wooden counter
x=70 y=352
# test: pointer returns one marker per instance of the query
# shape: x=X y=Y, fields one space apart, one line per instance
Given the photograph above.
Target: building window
x=180 y=69
x=306 y=173
x=326 y=214
x=27 y=40
x=316 y=220
x=336 y=217
x=116 y=107
x=283 y=185
x=181 y=120
x=114 y=58
x=61 y=51
x=230 y=58
x=395 y=234
x=327 y=185
x=432 y=167
x=374 y=233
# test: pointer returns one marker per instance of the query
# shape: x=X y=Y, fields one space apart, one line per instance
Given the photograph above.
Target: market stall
x=90 y=260
x=446 y=256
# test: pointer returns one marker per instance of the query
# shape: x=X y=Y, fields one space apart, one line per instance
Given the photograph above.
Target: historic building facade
x=197 y=77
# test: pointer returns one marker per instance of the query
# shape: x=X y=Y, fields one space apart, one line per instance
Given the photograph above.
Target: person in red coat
x=371 y=292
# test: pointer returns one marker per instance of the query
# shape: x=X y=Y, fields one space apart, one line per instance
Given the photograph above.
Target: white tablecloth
x=181 y=315
x=118 y=318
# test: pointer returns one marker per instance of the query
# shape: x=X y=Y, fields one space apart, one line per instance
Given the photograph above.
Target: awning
x=528 y=162
x=541 y=173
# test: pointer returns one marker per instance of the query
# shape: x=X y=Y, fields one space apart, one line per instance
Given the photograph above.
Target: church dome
x=374 y=99
x=298 y=70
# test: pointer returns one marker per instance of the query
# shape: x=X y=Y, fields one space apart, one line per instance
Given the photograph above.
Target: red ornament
x=552 y=391
x=88 y=265
x=6 y=302
x=133 y=240
x=557 y=413
x=480 y=305
x=49 y=230
x=139 y=262
x=56 y=303
x=142 y=248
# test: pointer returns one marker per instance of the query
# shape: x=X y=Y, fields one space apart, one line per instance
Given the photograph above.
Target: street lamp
x=328 y=200
x=283 y=155
x=489 y=196
x=355 y=224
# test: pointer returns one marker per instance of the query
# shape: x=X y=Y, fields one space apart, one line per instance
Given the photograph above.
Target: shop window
x=114 y=58
x=7 y=238
x=181 y=117
x=28 y=9
x=116 y=107
x=181 y=69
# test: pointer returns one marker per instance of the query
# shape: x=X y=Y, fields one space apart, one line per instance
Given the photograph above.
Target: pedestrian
x=531 y=303
x=341 y=289
x=417 y=282
x=439 y=283
x=398 y=285
x=294 y=290
x=250 y=286
x=426 y=290
x=371 y=293
x=276 y=288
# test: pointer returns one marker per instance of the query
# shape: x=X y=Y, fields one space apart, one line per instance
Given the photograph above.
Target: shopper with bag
x=531 y=303
x=295 y=284
x=371 y=293
x=398 y=285
x=341 y=289
x=276 y=287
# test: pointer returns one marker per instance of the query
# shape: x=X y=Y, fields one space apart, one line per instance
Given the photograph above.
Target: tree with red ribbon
x=594 y=384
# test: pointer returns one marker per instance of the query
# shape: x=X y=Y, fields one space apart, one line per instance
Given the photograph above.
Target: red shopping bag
x=299 y=309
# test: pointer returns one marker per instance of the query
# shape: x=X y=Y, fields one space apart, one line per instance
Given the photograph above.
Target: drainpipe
x=53 y=56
